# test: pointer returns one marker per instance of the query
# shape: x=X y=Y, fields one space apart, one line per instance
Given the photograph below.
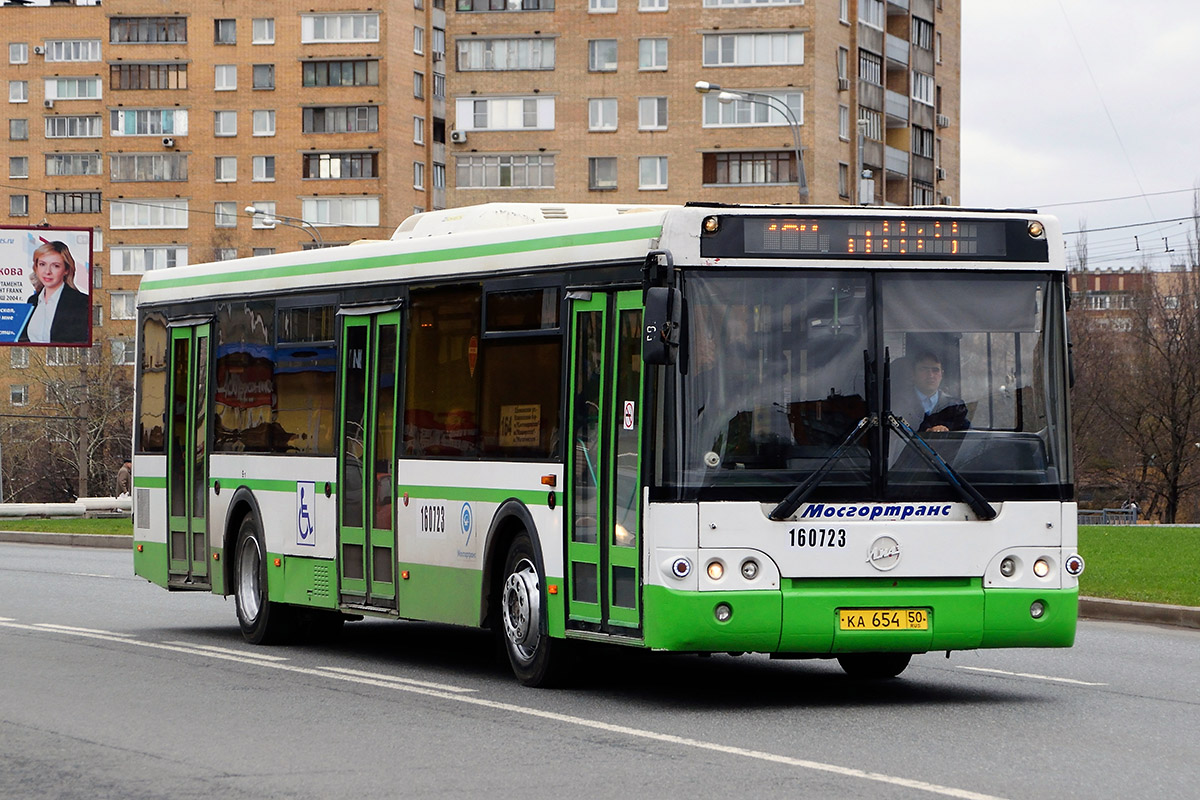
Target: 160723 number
x=817 y=537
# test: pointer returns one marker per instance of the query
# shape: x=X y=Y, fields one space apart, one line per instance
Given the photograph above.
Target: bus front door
x=604 y=495
x=367 y=460
x=187 y=461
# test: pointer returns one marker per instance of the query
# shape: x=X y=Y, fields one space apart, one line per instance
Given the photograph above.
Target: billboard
x=45 y=286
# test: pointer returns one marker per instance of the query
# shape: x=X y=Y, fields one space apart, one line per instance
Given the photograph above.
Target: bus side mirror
x=662 y=321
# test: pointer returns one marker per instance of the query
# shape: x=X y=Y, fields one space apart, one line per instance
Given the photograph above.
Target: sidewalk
x=1089 y=607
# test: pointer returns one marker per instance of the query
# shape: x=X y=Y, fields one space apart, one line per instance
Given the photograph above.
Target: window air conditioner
x=943 y=121
x=168 y=141
x=48 y=104
x=38 y=50
x=458 y=137
x=843 y=84
x=941 y=173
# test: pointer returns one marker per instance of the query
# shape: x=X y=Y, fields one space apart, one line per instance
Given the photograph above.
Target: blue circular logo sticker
x=466 y=520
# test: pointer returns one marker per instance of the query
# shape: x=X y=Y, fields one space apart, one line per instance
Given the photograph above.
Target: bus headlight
x=716 y=570
x=1041 y=568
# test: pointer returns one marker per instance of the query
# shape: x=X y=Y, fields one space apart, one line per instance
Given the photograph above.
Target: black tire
x=874 y=666
x=261 y=621
x=536 y=659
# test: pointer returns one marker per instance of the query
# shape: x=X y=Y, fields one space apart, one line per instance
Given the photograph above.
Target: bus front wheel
x=874 y=666
x=532 y=653
x=261 y=621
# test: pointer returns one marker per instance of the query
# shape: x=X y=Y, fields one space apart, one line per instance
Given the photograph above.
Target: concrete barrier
x=80 y=508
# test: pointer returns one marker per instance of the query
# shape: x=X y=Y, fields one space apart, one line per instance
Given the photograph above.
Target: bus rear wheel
x=261 y=621
x=874 y=666
x=533 y=655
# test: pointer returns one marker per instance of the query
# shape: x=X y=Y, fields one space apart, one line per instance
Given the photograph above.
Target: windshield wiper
x=789 y=504
x=970 y=495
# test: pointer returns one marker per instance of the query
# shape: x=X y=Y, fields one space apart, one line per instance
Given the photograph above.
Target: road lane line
x=229 y=651
x=73 y=629
x=407 y=681
x=568 y=719
x=1033 y=675
x=90 y=575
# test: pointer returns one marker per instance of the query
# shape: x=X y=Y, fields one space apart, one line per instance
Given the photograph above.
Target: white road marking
x=90 y=575
x=568 y=719
x=73 y=629
x=227 y=651
x=395 y=679
x=1033 y=676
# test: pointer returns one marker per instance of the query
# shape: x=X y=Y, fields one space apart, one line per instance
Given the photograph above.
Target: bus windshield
x=781 y=366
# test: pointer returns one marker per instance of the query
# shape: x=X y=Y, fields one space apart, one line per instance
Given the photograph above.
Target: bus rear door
x=604 y=496
x=187 y=457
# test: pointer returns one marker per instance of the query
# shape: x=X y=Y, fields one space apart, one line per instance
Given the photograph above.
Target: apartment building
x=596 y=101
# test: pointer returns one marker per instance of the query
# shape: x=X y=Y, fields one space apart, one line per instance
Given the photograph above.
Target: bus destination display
x=900 y=237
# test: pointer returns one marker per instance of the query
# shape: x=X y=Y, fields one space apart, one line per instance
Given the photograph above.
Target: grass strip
x=1145 y=563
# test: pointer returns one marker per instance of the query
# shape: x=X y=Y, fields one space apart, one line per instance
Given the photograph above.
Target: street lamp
x=270 y=220
x=729 y=95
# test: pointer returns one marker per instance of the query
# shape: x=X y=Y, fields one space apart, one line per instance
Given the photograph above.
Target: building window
x=844 y=11
x=334 y=166
x=225 y=214
x=602 y=55
x=844 y=123
x=18 y=357
x=740 y=3
x=341 y=119
x=142 y=30
x=843 y=61
x=18 y=53
x=122 y=305
x=922 y=142
x=505 y=171
x=922 y=33
x=732 y=169
x=439 y=86
x=923 y=91
x=224 y=31
x=18 y=91
x=264 y=210
x=123 y=351
x=147 y=76
x=753 y=49
x=224 y=123
x=72 y=202
x=73 y=127
x=652 y=172
x=504 y=5
x=360 y=72
x=263 y=76
x=18 y=166
x=18 y=130
x=349 y=211
x=154 y=167
x=226 y=169
x=346 y=27
x=18 y=394
x=843 y=180
x=652 y=5
x=419 y=85
x=225 y=77
x=72 y=88
x=505 y=54
x=602 y=6
x=165 y=213
x=418 y=174
x=419 y=40
x=262 y=30
x=418 y=130
x=602 y=173
x=506 y=113
x=652 y=113
x=262 y=251
x=652 y=54
x=263 y=168
x=224 y=253
x=871 y=13
x=922 y=194
x=870 y=67
x=439 y=175
x=18 y=205
x=264 y=122
x=148 y=122
x=439 y=43
x=870 y=122
x=602 y=114
x=133 y=260
x=762 y=113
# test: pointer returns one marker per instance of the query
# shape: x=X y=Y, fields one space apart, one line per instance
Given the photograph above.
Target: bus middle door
x=187 y=457
x=367 y=460
x=604 y=464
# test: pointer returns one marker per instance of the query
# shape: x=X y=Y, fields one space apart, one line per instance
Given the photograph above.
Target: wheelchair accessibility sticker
x=306 y=527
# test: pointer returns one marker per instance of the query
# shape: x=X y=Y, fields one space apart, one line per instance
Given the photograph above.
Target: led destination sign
x=883 y=237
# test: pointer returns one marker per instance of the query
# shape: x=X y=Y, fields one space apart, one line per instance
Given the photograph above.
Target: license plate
x=883 y=619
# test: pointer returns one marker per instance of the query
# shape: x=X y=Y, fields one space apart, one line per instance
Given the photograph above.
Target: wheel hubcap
x=249 y=560
x=521 y=605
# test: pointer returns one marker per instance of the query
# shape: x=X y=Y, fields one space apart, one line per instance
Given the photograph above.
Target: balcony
x=895 y=109
x=895 y=161
x=897 y=6
x=897 y=51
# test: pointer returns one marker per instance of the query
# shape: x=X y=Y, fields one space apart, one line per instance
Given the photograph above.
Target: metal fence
x=1108 y=516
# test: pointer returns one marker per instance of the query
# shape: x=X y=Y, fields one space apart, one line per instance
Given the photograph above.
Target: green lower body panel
x=440 y=594
x=150 y=561
x=803 y=618
x=305 y=581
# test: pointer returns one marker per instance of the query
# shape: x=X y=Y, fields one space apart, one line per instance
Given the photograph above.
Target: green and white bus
x=678 y=428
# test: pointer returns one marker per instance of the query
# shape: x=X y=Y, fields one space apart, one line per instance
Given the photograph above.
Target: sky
x=1070 y=103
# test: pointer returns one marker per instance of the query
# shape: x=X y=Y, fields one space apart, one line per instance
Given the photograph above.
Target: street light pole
x=272 y=219
x=729 y=95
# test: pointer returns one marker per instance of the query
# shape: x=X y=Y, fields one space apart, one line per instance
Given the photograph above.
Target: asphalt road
x=112 y=688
